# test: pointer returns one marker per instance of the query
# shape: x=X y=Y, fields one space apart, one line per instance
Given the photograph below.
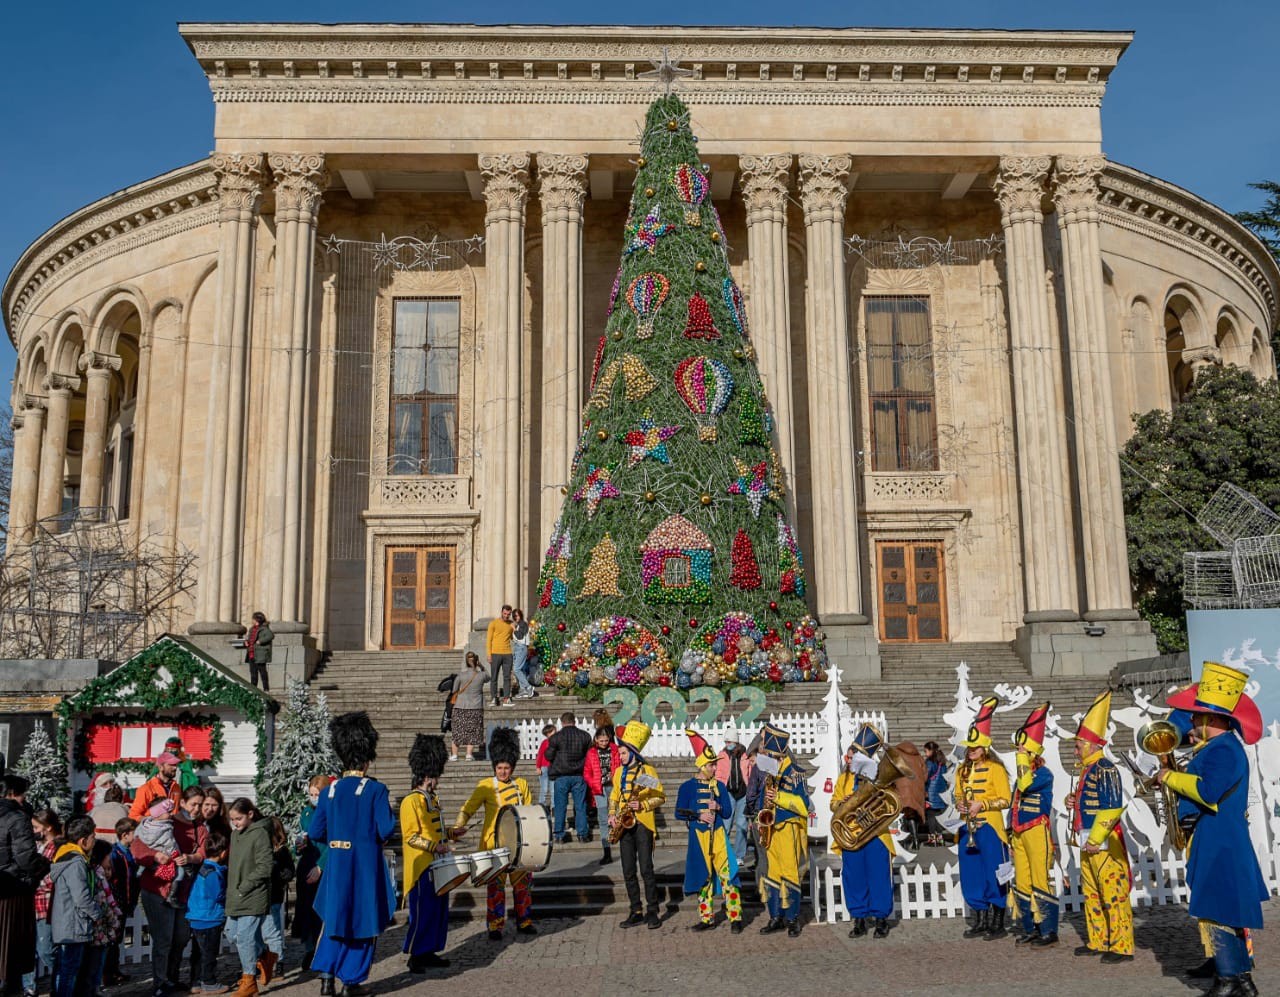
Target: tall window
x=904 y=423
x=424 y=387
x=125 y=475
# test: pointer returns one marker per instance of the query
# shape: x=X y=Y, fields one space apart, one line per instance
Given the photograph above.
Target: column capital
x=60 y=384
x=824 y=186
x=1075 y=187
x=300 y=183
x=1019 y=185
x=96 y=364
x=506 y=185
x=33 y=403
x=562 y=185
x=241 y=177
x=765 y=180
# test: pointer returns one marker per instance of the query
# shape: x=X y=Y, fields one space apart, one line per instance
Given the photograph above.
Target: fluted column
x=1106 y=564
x=98 y=368
x=823 y=192
x=1048 y=562
x=506 y=189
x=562 y=189
x=28 y=435
x=764 y=191
x=300 y=181
x=53 y=454
x=240 y=180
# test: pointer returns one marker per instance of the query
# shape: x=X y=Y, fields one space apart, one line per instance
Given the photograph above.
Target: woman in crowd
x=468 y=706
x=520 y=653
x=935 y=784
x=249 y=920
x=109 y=811
x=214 y=812
x=23 y=864
x=597 y=770
x=282 y=872
x=311 y=859
x=162 y=901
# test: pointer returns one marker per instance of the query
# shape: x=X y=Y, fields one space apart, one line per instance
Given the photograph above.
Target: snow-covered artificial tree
x=42 y=767
x=303 y=750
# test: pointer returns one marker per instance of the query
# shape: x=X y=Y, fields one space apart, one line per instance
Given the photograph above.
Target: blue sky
x=98 y=96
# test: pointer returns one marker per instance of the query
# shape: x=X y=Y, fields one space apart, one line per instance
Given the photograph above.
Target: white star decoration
x=331 y=243
x=665 y=71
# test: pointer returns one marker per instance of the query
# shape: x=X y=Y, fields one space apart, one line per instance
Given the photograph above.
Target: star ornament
x=649 y=439
x=665 y=71
x=753 y=483
x=598 y=486
x=648 y=232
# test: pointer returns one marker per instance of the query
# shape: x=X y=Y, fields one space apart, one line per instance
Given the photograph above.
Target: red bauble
x=693 y=622
x=666 y=630
x=664 y=680
x=773 y=606
x=789 y=625
x=775 y=673
x=560 y=626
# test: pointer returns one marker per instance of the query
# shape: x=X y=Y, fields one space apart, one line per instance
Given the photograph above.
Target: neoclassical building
x=343 y=358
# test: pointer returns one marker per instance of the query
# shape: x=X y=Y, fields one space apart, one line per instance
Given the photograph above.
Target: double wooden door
x=912 y=580
x=419 y=598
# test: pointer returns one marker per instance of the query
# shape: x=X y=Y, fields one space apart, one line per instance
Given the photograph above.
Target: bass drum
x=526 y=831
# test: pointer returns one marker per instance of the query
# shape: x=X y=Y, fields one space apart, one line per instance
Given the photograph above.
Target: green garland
x=217 y=742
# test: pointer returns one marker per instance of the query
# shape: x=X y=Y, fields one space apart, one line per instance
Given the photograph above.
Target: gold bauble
x=706 y=499
x=641 y=161
x=715 y=236
x=564 y=490
x=649 y=496
x=672 y=125
x=700 y=267
x=648 y=192
x=618 y=334
x=602 y=435
x=738 y=354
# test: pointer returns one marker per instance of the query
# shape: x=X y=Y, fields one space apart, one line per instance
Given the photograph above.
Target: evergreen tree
x=41 y=766
x=672 y=561
x=303 y=749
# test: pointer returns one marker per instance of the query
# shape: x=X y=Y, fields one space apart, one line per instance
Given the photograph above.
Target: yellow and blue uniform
x=984 y=848
x=421 y=834
x=1032 y=848
x=710 y=867
x=1105 y=878
x=787 y=857
x=493 y=795
x=866 y=875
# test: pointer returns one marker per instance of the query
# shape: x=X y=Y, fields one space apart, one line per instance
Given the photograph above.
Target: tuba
x=1160 y=738
x=868 y=813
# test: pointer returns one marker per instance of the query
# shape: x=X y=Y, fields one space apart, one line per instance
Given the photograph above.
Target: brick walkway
x=593 y=956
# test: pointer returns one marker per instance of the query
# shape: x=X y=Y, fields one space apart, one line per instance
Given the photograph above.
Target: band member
x=636 y=790
x=356 y=898
x=1105 y=878
x=493 y=794
x=710 y=867
x=423 y=840
x=783 y=808
x=1032 y=828
x=982 y=792
x=1227 y=888
x=866 y=874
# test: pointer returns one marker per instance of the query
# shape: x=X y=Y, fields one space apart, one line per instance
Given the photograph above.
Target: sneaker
x=507 y=701
x=453 y=758
x=652 y=920
x=634 y=918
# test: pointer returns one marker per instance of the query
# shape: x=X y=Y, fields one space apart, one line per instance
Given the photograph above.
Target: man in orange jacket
x=164 y=784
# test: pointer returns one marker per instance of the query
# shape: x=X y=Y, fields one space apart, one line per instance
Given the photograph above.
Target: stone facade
x=192 y=353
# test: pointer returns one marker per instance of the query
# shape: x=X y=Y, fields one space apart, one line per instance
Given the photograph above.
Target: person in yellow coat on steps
x=636 y=791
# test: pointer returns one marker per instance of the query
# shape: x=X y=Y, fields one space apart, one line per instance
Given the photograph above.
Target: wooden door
x=419 y=598
x=912 y=580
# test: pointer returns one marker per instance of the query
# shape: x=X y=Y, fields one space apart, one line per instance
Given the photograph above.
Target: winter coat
x=73 y=911
x=262 y=645
x=207 y=904
x=124 y=878
x=282 y=872
x=567 y=751
x=592 y=771
x=746 y=766
x=249 y=874
x=21 y=864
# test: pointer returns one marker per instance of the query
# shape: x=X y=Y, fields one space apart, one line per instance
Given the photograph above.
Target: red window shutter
x=102 y=743
x=196 y=741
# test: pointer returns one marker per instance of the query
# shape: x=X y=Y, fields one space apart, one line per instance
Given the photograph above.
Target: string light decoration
x=692 y=573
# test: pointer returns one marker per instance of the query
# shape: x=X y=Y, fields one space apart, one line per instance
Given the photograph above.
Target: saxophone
x=768 y=814
x=624 y=816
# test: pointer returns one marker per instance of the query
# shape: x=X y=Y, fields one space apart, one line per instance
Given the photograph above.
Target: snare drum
x=526 y=831
x=450 y=871
x=488 y=864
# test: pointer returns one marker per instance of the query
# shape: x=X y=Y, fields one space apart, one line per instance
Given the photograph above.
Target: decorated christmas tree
x=672 y=562
x=303 y=749
x=46 y=771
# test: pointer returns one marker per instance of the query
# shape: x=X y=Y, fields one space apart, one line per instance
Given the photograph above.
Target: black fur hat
x=427 y=757
x=504 y=746
x=354 y=739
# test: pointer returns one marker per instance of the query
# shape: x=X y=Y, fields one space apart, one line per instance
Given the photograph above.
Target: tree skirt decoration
x=734 y=648
x=668 y=525
x=613 y=650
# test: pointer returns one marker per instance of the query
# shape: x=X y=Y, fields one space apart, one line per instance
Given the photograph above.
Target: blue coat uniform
x=695 y=797
x=1035 y=801
x=356 y=898
x=1226 y=884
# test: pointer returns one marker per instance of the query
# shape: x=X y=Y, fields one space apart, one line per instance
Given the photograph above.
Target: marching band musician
x=1227 y=888
x=423 y=840
x=1105 y=877
x=636 y=788
x=866 y=874
x=787 y=855
x=982 y=792
x=494 y=793
x=1033 y=836
x=711 y=867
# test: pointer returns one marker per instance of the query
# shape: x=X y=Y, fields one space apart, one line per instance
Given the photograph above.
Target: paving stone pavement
x=592 y=955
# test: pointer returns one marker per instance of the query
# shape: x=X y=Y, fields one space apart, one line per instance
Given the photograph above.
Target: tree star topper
x=665 y=71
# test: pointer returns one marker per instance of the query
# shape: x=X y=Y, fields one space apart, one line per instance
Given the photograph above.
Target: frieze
x=910 y=487
x=427 y=493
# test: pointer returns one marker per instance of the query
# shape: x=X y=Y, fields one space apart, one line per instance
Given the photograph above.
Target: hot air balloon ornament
x=645 y=295
x=704 y=385
x=692 y=186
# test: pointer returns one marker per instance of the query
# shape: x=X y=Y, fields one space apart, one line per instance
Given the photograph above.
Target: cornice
x=1154 y=207
x=174 y=202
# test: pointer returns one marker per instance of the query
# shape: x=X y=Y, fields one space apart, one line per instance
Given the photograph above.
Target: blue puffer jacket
x=207 y=904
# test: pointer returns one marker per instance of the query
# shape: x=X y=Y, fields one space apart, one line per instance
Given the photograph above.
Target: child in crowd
x=124 y=876
x=72 y=909
x=311 y=859
x=282 y=872
x=107 y=926
x=156 y=832
x=48 y=833
x=207 y=912
x=545 y=785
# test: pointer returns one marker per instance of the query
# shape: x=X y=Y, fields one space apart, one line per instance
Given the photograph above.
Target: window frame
x=431 y=405
x=903 y=448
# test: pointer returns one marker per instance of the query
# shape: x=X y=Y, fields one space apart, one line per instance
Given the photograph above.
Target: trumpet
x=971 y=821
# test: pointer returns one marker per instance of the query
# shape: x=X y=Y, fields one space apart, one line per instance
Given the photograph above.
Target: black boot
x=882 y=928
x=793 y=928
x=608 y=856
x=634 y=918
x=1207 y=970
x=326 y=987
x=859 y=927
x=415 y=966
x=1026 y=939
x=981 y=920
x=1234 y=986
x=995 y=926
x=775 y=924
x=1045 y=941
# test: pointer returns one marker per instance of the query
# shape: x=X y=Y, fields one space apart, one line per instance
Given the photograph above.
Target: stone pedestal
x=293 y=655
x=855 y=648
x=1065 y=648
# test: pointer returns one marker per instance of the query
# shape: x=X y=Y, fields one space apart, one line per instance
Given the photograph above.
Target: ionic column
x=53 y=454
x=28 y=434
x=837 y=570
x=98 y=368
x=562 y=188
x=1048 y=562
x=1106 y=563
x=240 y=180
x=764 y=191
x=506 y=179
x=300 y=182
